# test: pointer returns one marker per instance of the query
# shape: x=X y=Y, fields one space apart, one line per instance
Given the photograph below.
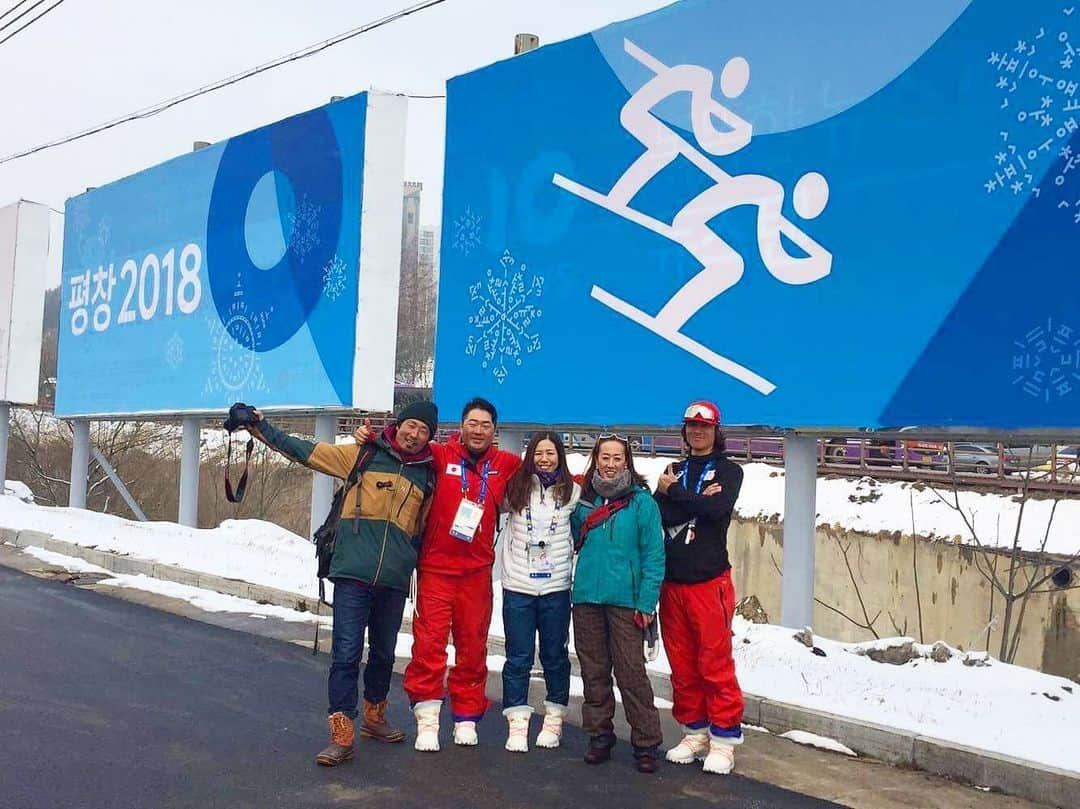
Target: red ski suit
x=454 y=582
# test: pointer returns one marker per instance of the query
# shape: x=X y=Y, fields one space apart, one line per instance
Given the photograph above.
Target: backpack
x=325 y=537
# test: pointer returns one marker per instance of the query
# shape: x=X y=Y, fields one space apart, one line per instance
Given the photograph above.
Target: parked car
x=1066 y=461
x=965 y=456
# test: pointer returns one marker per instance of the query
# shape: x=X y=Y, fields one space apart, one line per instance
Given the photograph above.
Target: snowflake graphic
x=174 y=351
x=305 y=228
x=236 y=372
x=506 y=316
x=333 y=277
x=467 y=231
x=1046 y=361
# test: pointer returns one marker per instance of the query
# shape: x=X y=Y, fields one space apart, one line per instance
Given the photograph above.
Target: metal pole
x=129 y=498
x=5 y=430
x=322 y=486
x=80 y=462
x=800 y=513
x=189 y=473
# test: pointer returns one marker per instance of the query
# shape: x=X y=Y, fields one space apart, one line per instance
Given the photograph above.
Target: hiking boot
x=465 y=734
x=646 y=758
x=693 y=747
x=721 y=758
x=427 y=725
x=340 y=748
x=517 y=738
x=599 y=749
x=375 y=725
x=551 y=732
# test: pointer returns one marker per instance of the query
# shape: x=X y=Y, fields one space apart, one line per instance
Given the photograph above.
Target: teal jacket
x=382 y=516
x=621 y=563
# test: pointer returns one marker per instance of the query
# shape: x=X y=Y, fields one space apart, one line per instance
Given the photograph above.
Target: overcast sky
x=92 y=60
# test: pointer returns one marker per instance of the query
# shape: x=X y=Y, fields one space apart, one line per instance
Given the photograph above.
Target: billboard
x=24 y=253
x=816 y=214
x=262 y=268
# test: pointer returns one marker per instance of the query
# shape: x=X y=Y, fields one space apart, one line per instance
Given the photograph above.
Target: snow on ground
x=16 y=488
x=813 y=740
x=997 y=707
x=870 y=506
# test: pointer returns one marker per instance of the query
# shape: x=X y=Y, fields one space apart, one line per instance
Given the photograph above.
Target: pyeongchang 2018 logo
x=722 y=266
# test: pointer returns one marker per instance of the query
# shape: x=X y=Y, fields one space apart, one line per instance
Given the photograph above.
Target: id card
x=540 y=564
x=467 y=520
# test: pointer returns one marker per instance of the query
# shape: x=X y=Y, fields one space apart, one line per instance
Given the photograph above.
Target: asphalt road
x=105 y=703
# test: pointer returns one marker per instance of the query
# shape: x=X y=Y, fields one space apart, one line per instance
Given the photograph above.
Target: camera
x=240 y=416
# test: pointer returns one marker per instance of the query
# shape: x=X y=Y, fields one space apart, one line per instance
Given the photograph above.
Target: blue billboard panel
x=235 y=272
x=817 y=214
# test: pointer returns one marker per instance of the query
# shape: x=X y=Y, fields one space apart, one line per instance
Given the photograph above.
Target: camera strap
x=238 y=495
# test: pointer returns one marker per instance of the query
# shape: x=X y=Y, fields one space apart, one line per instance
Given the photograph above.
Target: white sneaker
x=721 y=758
x=427 y=725
x=517 y=739
x=465 y=734
x=693 y=747
x=551 y=732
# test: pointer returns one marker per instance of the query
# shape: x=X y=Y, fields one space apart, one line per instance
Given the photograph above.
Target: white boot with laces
x=551 y=733
x=427 y=725
x=693 y=747
x=465 y=734
x=517 y=720
x=721 y=758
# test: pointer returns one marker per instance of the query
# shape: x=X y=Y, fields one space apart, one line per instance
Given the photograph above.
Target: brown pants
x=607 y=638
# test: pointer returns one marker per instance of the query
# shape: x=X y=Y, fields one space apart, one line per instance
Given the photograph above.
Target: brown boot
x=375 y=725
x=340 y=748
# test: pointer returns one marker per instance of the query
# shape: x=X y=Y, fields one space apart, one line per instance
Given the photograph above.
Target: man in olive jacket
x=378 y=540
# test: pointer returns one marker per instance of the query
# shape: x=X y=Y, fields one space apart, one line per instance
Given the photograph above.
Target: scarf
x=548 y=479
x=616 y=487
x=390 y=436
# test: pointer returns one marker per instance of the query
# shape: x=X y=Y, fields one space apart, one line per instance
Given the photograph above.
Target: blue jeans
x=357 y=607
x=523 y=617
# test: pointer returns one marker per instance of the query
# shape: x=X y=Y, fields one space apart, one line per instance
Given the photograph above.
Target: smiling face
x=477 y=431
x=546 y=457
x=701 y=437
x=413 y=435
x=610 y=458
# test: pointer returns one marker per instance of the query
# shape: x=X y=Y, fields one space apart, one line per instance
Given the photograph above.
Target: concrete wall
x=955 y=597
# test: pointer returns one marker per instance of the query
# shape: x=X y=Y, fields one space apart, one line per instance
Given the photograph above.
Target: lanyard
x=483 y=481
x=701 y=480
x=529 y=522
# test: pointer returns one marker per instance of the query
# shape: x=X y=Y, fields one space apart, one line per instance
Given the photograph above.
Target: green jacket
x=622 y=561
x=382 y=516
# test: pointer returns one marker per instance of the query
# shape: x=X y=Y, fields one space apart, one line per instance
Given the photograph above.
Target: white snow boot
x=517 y=720
x=721 y=758
x=427 y=725
x=551 y=732
x=693 y=747
x=465 y=734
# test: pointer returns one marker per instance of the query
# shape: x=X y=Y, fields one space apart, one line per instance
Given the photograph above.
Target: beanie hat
x=424 y=411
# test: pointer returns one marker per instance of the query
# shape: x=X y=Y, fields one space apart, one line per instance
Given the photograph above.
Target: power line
x=29 y=22
x=13 y=8
x=303 y=53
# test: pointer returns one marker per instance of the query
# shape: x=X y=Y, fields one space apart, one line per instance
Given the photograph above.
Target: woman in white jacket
x=536 y=566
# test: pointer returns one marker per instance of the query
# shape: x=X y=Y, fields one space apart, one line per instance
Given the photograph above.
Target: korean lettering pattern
x=1046 y=361
x=101 y=299
x=78 y=302
x=1039 y=109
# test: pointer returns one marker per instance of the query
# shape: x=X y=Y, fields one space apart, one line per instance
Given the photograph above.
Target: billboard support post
x=5 y=429
x=80 y=462
x=189 y=473
x=800 y=512
x=322 y=486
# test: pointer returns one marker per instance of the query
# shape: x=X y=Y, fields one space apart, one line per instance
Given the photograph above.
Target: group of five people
x=601 y=549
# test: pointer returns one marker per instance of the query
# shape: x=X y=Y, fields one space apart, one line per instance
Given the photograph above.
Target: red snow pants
x=695 y=620
x=448 y=604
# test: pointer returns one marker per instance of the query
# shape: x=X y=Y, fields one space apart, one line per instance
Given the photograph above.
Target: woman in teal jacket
x=620 y=566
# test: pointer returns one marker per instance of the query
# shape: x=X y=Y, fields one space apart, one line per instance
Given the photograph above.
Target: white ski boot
x=551 y=733
x=693 y=747
x=427 y=725
x=465 y=734
x=517 y=720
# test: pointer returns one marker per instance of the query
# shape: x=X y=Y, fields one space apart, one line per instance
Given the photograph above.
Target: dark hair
x=477 y=403
x=587 y=487
x=719 y=442
x=520 y=486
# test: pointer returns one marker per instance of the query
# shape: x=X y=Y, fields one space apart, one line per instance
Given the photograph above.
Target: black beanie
x=424 y=411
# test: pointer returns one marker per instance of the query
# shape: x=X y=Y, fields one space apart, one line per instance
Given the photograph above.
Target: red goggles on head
x=703 y=412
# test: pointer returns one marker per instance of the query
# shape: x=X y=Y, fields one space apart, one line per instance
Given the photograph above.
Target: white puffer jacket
x=515 y=539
